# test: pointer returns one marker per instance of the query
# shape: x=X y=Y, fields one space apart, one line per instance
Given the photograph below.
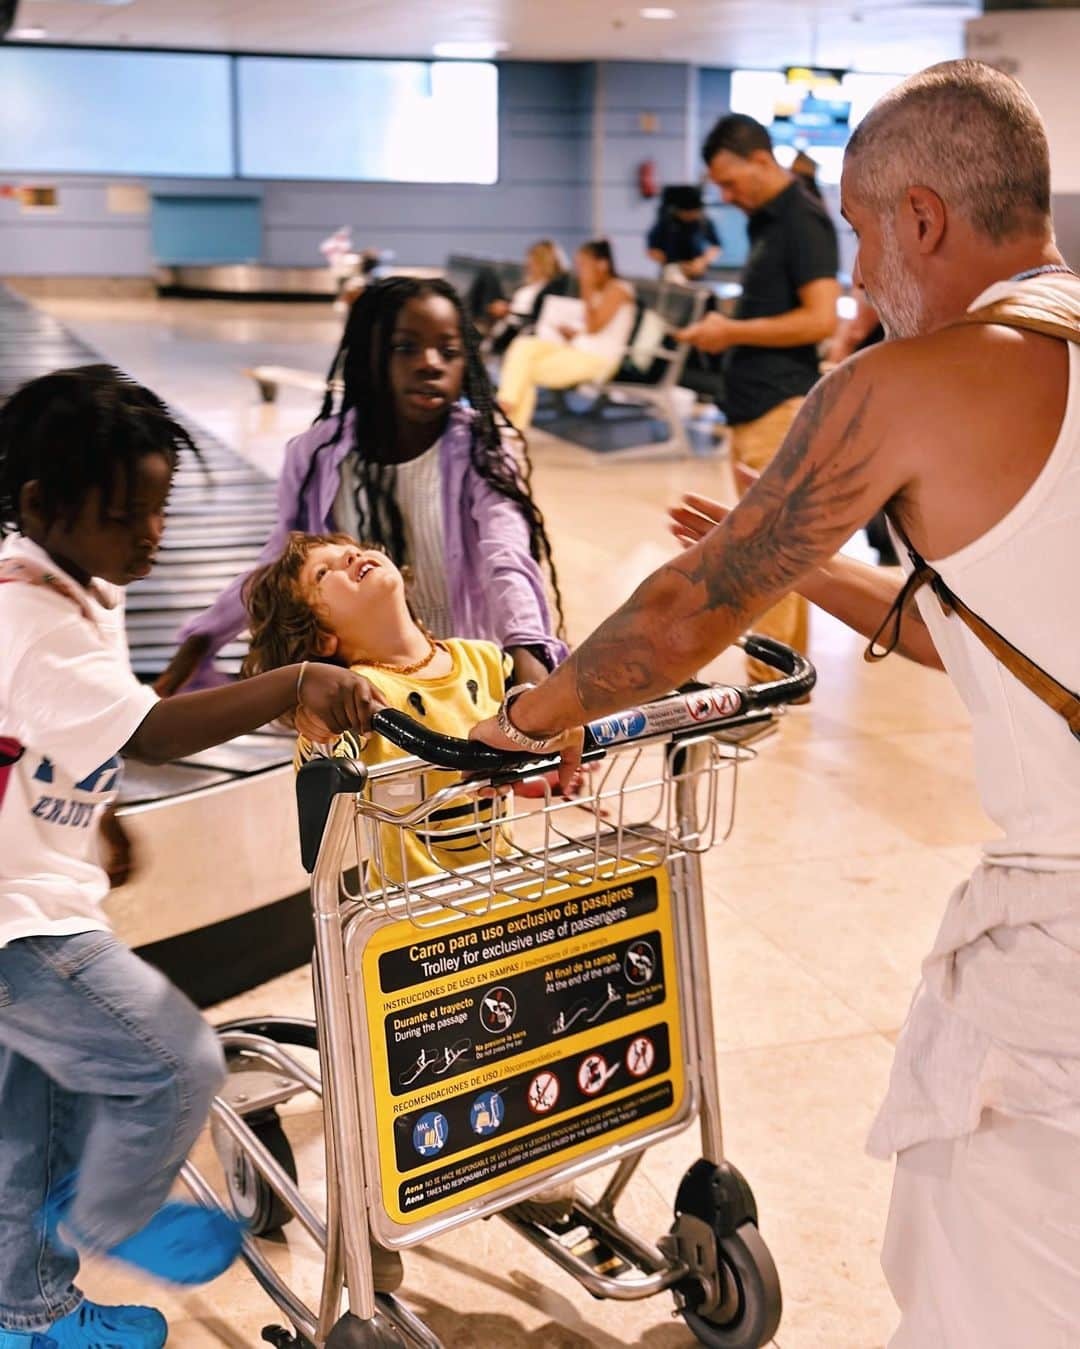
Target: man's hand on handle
x=569 y=745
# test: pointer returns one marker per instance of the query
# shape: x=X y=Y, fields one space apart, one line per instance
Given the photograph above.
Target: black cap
x=686 y=197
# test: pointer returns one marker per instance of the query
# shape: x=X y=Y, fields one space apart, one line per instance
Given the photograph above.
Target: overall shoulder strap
x=1034 y=678
x=1036 y=305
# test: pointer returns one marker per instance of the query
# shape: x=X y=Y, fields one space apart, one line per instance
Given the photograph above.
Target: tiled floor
x=852 y=827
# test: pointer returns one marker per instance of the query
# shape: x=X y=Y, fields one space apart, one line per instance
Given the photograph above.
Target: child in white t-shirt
x=106 y=1070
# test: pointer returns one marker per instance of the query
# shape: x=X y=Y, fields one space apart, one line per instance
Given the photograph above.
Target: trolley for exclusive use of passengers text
x=488 y=1030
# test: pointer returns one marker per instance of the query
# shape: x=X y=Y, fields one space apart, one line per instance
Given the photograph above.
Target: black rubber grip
x=798 y=675
x=444 y=751
x=797 y=678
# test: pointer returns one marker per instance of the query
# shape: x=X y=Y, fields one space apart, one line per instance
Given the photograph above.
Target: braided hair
x=362 y=365
x=76 y=430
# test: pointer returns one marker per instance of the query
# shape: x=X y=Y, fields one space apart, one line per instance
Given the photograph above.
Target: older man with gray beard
x=967 y=430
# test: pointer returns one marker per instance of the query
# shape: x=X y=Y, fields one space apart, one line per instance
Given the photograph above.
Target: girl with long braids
x=419 y=459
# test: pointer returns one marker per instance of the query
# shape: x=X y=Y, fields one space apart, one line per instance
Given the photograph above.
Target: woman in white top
x=547 y=272
x=591 y=351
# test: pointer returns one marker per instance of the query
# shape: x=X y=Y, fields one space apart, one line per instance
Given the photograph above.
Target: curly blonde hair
x=285 y=626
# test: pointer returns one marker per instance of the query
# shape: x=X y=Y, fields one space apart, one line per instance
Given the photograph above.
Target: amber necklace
x=432 y=652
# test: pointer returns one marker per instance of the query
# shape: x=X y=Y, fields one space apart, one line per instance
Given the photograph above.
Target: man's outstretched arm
x=832 y=473
x=858 y=594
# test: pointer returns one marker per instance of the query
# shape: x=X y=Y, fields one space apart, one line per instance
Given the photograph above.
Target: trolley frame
x=338 y=794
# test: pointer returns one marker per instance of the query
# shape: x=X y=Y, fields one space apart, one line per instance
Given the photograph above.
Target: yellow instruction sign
x=505 y=1046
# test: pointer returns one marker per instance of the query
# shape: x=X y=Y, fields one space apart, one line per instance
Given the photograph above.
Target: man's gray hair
x=967 y=131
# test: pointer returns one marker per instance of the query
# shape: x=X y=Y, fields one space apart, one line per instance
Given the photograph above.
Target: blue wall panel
x=628 y=92
x=201 y=229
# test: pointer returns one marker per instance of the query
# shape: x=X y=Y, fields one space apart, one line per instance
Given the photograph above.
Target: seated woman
x=546 y=273
x=328 y=598
x=590 y=352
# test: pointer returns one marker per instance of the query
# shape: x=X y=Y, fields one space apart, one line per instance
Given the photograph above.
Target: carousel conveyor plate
x=224 y=848
x=151 y=660
x=148 y=784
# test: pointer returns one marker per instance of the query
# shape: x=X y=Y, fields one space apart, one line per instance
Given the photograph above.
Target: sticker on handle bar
x=668 y=714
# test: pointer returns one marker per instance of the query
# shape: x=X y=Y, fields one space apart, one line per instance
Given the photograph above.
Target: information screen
x=811 y=110
x=368 y=121
x=149 y=113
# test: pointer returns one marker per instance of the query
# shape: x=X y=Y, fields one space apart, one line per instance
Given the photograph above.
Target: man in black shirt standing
x=787 y=306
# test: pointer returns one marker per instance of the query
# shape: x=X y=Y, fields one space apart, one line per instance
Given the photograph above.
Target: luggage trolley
x=485 y=1031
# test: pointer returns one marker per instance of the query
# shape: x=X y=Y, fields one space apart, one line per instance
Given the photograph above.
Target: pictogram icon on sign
x=640 y=1056
x=430 y=1133
x=487 y=1113
x=543 y=1093
x=594 y=1073
x=640 y=962
x=498 y=1007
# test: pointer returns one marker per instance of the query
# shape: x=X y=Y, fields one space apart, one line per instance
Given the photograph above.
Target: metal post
x=339 y=1067
x=712 y=1141
x=333 y=1274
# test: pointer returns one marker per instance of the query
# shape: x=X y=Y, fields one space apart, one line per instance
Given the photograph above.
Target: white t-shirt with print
x=69 y=697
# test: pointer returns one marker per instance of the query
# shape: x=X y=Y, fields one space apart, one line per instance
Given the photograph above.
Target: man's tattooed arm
x=827 y=479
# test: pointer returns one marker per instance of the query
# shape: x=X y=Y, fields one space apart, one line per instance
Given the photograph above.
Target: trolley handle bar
x=697 y=707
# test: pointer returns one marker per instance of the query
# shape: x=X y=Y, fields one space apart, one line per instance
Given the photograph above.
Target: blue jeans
x=107 y=1069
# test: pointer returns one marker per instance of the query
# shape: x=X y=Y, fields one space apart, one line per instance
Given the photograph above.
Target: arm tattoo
x=788 y=523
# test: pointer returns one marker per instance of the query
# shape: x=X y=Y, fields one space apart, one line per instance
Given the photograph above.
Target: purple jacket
x=496 y=588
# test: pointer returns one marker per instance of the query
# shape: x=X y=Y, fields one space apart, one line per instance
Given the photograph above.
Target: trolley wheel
x=751 y=1317
x=252 y=1198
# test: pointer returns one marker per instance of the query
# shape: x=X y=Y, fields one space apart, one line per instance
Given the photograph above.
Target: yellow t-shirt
x=460 y=831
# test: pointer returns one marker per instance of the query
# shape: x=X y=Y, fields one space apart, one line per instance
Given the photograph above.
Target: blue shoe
x=91 y=1326
x=25 y=1339
x=184 y=1243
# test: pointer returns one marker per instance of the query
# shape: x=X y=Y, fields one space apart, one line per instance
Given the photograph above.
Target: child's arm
x=527 y=667
x=76 y=700
x=520 y=609
x=333 y=700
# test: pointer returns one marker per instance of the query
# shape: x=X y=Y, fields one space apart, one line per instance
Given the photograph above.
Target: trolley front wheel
x=252 y=1198
x=750 y=1314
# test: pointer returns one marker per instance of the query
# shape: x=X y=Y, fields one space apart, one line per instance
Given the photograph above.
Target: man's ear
x=327 y=644
x=927 y=212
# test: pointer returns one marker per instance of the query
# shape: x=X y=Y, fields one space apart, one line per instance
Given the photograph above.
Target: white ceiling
x=874 y=35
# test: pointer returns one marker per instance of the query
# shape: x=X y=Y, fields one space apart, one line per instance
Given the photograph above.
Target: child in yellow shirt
x=329 y=598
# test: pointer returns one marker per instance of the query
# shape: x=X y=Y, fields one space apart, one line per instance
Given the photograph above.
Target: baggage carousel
x=219 y=898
